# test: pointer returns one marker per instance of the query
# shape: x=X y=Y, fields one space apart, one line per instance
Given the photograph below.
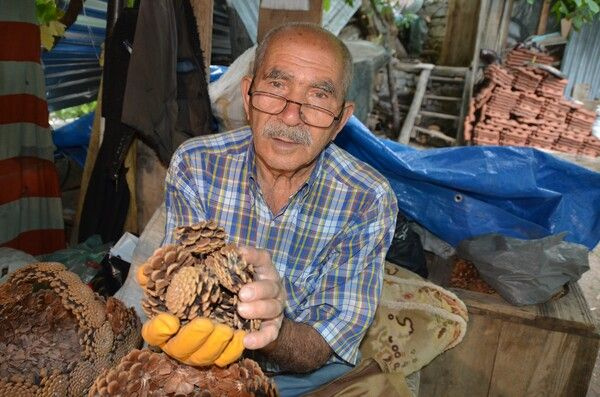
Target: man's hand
x=262 y=299
x=200 y=342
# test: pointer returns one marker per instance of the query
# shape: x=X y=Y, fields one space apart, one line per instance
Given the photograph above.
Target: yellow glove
x=200 y=342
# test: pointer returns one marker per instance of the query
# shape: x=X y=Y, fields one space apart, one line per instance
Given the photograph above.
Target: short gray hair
x=346 y=58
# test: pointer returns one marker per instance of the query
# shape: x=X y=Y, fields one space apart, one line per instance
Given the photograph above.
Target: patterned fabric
x=415 y=322
x=328 y=243
x=30 y=198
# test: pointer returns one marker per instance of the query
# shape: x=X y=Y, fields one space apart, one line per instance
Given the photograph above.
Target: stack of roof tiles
x=524 y=106
x=524 y=56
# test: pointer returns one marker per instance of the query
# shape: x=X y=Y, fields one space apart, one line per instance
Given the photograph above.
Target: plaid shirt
x=328 y=243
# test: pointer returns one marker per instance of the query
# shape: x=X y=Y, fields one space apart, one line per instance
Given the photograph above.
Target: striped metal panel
x=72 y=68
x=581 y=61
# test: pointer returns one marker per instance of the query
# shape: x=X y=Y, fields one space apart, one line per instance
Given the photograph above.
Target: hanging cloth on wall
x=107 y=197
x=166 y=97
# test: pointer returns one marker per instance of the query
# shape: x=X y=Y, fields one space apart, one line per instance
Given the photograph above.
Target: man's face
x=303 y=67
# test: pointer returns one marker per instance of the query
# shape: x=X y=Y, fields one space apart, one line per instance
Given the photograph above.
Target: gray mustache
x=295 y=134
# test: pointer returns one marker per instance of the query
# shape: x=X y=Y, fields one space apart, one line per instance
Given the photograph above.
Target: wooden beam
x=460 y=36
x=203 y=13
x=409 y=121
x=543 y=23
x=443 y=98
x=436 y=134
x=447 y=79
x=439 y=115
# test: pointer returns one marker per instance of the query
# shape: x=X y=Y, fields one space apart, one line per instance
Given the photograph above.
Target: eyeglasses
x=310 y=114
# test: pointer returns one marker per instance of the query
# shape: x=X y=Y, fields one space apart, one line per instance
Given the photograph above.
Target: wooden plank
x=448 y=79
x=436 y=134
x=466 y=369
x=409 y=121
x=461 y=33
x=150 y=182
x=439 y=115
x=567 y=314
x=92 y=152
x=269 y=18
x=577 y=321
x=464 y=107
x=448 y=71
x=529 y=362
x=543 y=23
x=130 y=164
x=203 y=12
x=495 y=19
x=443 y=98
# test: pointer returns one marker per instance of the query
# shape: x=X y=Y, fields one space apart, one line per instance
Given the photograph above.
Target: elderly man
x=321 y=220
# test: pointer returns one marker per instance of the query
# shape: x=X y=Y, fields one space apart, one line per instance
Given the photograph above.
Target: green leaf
x=593 y=6
x=326 y=5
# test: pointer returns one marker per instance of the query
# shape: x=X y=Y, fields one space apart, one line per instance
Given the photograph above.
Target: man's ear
x=346 y=113
x=245 y=87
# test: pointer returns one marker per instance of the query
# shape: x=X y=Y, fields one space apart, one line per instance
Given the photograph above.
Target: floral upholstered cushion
x=416 y=321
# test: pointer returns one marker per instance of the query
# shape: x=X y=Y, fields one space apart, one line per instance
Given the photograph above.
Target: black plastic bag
x=526 y=272
x=111 y=277
x=406 y=250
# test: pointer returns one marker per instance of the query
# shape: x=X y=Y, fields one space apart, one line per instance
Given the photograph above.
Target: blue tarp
x=72 y=139
x=463 y=192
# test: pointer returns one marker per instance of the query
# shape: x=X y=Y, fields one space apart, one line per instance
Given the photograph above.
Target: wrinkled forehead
x=316 y=50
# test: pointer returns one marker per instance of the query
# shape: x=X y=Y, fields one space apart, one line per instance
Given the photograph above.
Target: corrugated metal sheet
x=334 y=19
x=581 y=61
x=72 y=70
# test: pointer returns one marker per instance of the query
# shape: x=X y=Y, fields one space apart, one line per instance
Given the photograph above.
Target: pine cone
x=198 y=277
x=143 y=372
x=55 y=333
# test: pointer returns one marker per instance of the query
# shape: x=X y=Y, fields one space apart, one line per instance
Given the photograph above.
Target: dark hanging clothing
x=166 y=97
x=155 y=85
x=107 y=196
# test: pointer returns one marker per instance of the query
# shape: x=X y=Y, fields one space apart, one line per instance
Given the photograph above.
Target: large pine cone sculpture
x=56 y=334
x=144 y=373
x=199 y=276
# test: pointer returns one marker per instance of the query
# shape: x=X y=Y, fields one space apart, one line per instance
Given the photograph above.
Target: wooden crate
x=538 y=350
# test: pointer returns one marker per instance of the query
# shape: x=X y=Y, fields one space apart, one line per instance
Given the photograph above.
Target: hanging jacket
x=166 y=96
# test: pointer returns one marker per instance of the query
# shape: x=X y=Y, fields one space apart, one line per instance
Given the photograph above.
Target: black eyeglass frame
x=287 y=102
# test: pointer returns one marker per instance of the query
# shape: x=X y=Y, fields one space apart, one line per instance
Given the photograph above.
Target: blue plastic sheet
x=463 y=192
x=72 y=139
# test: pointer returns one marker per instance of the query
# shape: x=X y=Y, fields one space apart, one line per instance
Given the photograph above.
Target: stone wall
x=435 y=11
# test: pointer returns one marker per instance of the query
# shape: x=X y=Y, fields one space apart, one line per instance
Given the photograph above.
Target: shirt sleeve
x=182 y=198
x=343 y=304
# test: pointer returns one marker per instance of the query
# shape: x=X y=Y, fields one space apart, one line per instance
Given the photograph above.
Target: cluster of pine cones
x=198 y=277
x=144 y=373
x=56 y=335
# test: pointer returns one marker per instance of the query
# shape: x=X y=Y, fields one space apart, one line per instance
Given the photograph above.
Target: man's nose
x=291 y=113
